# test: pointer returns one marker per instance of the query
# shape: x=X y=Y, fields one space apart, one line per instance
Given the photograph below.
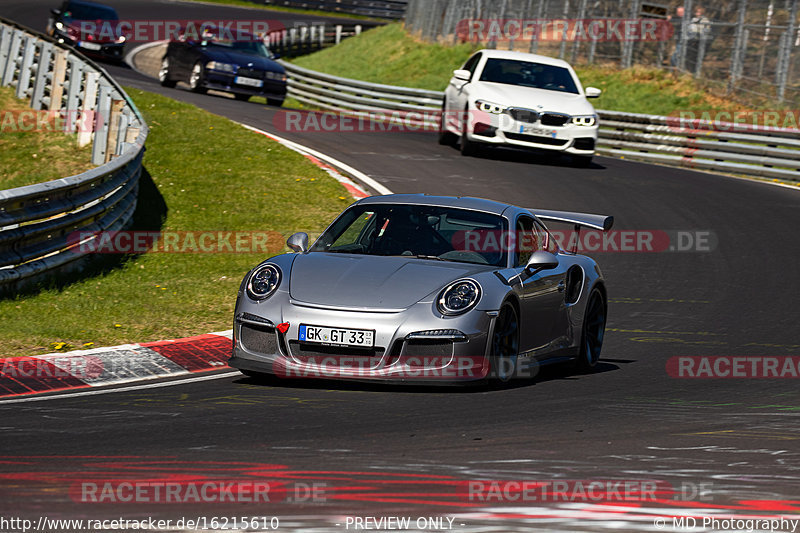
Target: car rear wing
x=579 y=220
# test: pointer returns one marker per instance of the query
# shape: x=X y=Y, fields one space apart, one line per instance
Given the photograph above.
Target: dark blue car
x=241 y=65
x=81 y=24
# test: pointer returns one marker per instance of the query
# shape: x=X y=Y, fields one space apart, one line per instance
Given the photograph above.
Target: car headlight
x=490 y=107
x=263 y=282
x=584 y=120
x=459 y=297
x=223 y=67
x=280 y=76
x=121 y=39
x=60 y=25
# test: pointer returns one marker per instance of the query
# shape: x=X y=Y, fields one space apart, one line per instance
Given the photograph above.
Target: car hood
x=514 y=95
x=243 y=60
x=359 y=281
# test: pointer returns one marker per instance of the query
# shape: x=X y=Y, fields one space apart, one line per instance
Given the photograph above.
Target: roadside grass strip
x=203 y=175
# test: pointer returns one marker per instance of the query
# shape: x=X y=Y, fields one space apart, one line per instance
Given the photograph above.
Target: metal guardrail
x=38 y=222
x=306 y=38
x=718 y=146
x=388 y=9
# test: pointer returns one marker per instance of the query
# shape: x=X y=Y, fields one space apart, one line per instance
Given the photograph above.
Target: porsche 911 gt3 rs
x=417 y=288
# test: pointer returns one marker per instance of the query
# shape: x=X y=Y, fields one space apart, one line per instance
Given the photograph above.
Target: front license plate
x=533 y=130
x=340 y=336
x=89 y=46
x=250 y=82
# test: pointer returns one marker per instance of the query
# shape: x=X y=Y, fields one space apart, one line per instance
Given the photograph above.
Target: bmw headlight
x=584 y=120
x=263 y=282
x=280 y=76
x=459 y=297
x=222 y=67
x=490 y=107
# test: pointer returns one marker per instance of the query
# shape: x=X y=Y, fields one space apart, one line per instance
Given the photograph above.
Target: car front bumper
x=569 y=138
x=222 y=81
x=451 y=350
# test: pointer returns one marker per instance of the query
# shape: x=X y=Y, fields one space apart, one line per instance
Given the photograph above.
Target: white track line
x=121 y=389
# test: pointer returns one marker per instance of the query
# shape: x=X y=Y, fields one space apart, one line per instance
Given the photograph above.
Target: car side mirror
x=55 y=12
x=461 y=74
x=541 y=260
x=298 y=242
x=593 y=92
x=275 y=55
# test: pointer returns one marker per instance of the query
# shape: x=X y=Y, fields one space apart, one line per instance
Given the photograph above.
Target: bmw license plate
x=250 y=82
x=89 y=46
x=340 y=336
x=533 y=130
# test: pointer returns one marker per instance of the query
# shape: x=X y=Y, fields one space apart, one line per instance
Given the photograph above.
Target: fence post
x=785 y=61
x=57 y=84
x=74 y=85
x=562 y=50
x=87 y=110
x=322 y=36
x=13 y=56
x=540 y=10
x=24 y=80
x=101 y=124
x=338 y=34
x=113 y=129
x=687 y=18
x=5 y=45
x=42 y=73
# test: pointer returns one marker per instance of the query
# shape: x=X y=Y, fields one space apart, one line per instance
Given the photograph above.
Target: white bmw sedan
x=518 y=99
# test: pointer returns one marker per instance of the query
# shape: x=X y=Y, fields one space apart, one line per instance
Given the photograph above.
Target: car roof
x=464 y=202
x=94 y=5
x=524 y=56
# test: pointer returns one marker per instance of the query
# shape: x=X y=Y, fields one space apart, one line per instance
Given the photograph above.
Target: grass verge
x=390 y=55
x=204 y=173
x=34 y=151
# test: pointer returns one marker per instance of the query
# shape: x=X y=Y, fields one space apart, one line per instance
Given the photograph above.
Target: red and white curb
x=80 y=369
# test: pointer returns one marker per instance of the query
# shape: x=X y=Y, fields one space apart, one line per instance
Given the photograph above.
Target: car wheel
x=242 y=97
x=446 y=137
x=582 y=161
x=274 y=102
x=594 y=327
x=163 y=74
x=468 y=147
x=505 y=343
x=196 y=78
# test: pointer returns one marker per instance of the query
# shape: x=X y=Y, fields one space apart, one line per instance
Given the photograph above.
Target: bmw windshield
x=527 y=74
x=423 y=231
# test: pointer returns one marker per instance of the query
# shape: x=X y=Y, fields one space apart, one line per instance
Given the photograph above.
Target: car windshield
x=423 y=231
x=527 y=74
x=253 y=47
x=84 y=12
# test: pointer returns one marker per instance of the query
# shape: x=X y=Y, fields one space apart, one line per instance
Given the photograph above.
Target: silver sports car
x=417 y=288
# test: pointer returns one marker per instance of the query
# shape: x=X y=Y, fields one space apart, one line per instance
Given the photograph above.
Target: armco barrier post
x=101 y=124
x=89 y=105
x=24 y=79
x=113 y=129
x=13 y=57
x=74 y=86
x=57 y=84
x=42 y=75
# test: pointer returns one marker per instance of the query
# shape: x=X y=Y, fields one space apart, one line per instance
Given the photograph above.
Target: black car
x=86 y=26
x=243 y=66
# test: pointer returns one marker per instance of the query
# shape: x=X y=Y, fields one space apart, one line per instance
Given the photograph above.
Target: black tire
x=274 y=102
x=468 y=148
x=593 y=331
x=446 y=137
x=163 y=74
x=242 y=97
x=505 y=344
x=196 y=77
x=582 y=161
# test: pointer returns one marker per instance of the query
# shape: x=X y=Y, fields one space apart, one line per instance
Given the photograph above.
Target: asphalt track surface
x=403 y=452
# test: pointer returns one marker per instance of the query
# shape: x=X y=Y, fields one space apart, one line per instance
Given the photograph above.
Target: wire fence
x=742 y=45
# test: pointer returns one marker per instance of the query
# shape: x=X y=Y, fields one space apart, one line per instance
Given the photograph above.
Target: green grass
x=206 y=173
x=390 y=55
x=310 y=12
x=31 y=156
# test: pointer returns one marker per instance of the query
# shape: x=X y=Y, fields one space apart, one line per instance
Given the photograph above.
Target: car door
x=542 y=308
